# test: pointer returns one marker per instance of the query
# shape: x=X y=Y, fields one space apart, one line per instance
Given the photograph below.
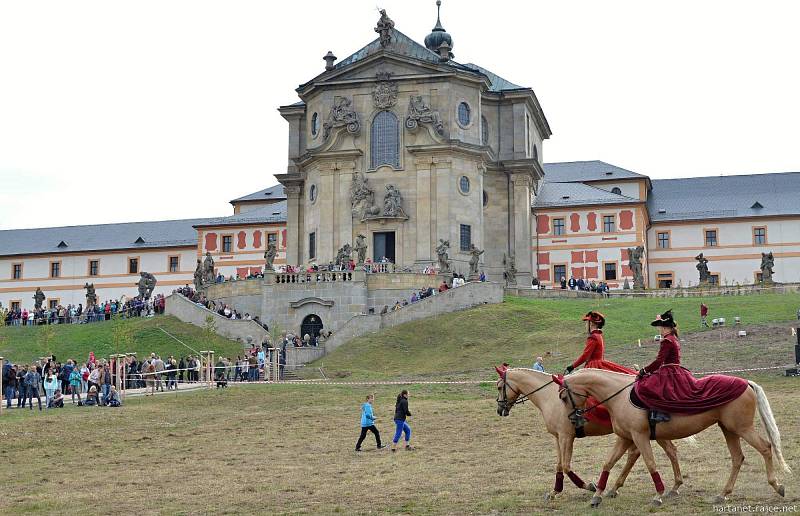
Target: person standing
x=368 y=423
x=703 y=315
x=106 y=383
x=33 y=379
x=538 y=365
x=401 y=426
x=10 y=383
x=50 y=387
x=75 y=384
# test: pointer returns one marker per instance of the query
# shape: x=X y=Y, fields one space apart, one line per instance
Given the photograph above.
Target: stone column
x=425 y=241
x=294 y=230
x=521 y=243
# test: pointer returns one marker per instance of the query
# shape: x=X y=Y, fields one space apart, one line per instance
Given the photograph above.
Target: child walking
x=401 y=427
x=368 y=423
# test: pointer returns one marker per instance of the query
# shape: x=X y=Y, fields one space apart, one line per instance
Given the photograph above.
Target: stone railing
x=192 y=313
x=290 y=278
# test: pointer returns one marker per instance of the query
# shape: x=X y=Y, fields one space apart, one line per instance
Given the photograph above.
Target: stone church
x=400 y=143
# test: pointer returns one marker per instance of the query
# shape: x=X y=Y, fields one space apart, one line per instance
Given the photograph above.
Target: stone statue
x=146 y=285
x=702 y=267
x=269 y=257
x=421 y=113
x=343 y=255
x=91 y=296
x=208 y=270
x=385 y=91
x=441 y=255
x=475 y=256
x=342 y=115
x=362 y=197
x=510 y=266
x=361 y=248
x=198 y=276
x=38 y=298
x=393 y=203
x=384 y=28
x=767 y=263
x=635 y=255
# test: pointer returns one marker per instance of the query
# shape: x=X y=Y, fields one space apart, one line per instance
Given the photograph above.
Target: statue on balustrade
x=767 y=263
x=510 y=266
x=198 y=276
x=269 y=257
x=361 y=248
x=146 y=285
x=702 y=268
x=635 y=255
x=208 y=270
x=91 y=295
x=442 y=257
x=475 y=256
x=343 y=255
x=38 y=299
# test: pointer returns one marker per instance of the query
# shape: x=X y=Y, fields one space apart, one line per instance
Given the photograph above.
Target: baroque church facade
x=417 y=153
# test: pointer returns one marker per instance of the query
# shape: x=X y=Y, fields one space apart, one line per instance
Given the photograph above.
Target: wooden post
x=211 y=370
x=2 y=390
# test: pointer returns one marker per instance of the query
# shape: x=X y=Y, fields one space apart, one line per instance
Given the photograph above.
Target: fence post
x=2 y=390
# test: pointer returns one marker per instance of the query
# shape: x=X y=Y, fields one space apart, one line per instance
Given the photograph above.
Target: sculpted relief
x=419 y=112
x=342 y=115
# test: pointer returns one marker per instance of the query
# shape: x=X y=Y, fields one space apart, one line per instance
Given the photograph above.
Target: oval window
x=485 y=199
x=464 y=114
x=616 y=190
x=314 y=124
x=463 y=184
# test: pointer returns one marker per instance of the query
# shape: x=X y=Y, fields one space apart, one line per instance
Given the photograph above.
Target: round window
x=485 y=199
x=463 y=184
x=464 y=114
x=312 y=193
x=314 y=124
x=616 y=190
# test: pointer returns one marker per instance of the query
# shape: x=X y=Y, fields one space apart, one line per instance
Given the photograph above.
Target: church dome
x=438 y=35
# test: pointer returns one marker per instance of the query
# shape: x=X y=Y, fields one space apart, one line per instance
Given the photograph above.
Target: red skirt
x=673 y=389
x=600 y=415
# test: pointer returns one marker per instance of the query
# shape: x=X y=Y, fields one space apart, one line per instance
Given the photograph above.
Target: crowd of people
x=77 y=314
x=584 y=284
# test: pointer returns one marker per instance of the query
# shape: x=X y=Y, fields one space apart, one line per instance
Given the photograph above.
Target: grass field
x=268 y=449
x=139 y=334
x=464 y=343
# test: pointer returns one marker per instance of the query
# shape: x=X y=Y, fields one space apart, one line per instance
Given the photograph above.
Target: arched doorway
x=312 y=325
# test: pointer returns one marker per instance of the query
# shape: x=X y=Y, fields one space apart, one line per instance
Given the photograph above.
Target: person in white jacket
x=50 y=387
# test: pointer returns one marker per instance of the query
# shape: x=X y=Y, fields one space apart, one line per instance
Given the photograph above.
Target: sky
x=153 y=110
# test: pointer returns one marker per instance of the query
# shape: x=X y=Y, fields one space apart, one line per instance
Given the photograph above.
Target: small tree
x=47 y=335
x=122 y=338
x=210 y=328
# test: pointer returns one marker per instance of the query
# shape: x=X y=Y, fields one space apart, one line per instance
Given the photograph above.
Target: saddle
x=653 y=416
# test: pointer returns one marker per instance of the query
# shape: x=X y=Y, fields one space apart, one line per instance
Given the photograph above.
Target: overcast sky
x=146 y=110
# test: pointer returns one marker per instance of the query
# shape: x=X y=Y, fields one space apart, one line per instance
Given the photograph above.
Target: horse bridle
x=521 y=398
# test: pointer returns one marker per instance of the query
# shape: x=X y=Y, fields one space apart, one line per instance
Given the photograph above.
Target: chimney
x=329 y=59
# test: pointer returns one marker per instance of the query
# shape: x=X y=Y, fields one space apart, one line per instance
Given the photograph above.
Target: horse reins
x=521 y=398
x=581 y=412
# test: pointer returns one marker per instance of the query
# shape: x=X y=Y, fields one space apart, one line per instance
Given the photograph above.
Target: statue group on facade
x=393 y=203
x=362 y=200
x=702 y=268
x=146 y=285
x=421 y=113
x=342 y=115
x=204 y=272
x=635 y=256
x=91 y=295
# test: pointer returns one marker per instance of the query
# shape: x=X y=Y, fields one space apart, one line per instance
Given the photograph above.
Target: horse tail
x=691 y=441
x=765 y=411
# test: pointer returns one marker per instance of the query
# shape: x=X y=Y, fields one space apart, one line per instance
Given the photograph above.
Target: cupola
x=438 y=35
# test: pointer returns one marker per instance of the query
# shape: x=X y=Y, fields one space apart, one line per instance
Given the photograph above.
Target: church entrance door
x=383 y=246
x=312 y=325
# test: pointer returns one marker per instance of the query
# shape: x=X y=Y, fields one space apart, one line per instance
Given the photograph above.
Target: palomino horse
x=517 y=385
x=631 y=425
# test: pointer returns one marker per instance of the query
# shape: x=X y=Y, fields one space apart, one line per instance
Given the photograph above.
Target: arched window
x=385 y=140
x=535 y=152
x=484 y=131
x=464 y=114
x=616 y=190
x=314 y=124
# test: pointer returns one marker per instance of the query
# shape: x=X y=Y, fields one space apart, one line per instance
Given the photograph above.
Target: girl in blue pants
x=401 y=427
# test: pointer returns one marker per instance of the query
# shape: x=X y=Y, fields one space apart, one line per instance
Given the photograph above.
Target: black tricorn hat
x=664 y=319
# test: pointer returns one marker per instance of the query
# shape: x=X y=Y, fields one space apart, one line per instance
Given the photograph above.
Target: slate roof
x=99 y=237
x=580 y=171
x=702 y=198
x=552 y=195
x=272 y=213
x=404 y=45
x=273 y=192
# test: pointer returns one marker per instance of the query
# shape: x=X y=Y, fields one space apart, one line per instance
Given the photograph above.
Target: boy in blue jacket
x=368 y=423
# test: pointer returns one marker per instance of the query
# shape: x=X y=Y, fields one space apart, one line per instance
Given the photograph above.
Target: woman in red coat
x=593 y=353
x=667 y=387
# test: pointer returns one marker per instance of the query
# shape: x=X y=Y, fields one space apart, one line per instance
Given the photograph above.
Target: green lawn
x=140 y=335
x=519 y=329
